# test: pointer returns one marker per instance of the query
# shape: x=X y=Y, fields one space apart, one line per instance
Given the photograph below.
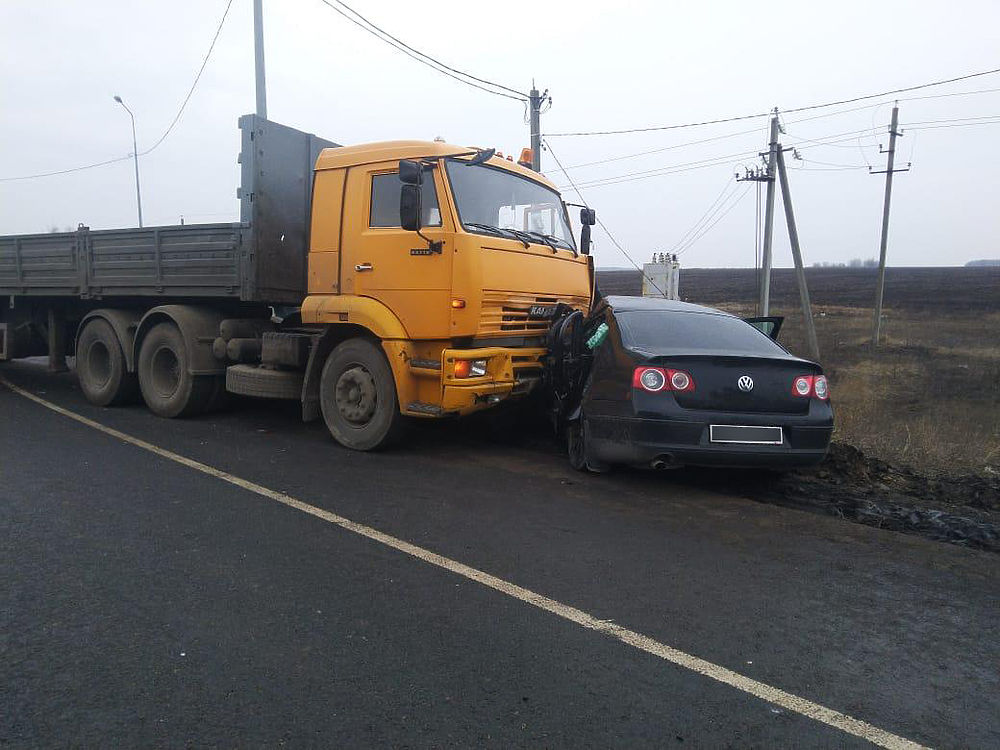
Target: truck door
x=383 y=261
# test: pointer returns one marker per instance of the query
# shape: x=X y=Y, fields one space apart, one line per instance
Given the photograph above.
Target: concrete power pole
x=884 y=242
x=793 y=240
x=258 y=52
x=765 y=270
x=535 y=101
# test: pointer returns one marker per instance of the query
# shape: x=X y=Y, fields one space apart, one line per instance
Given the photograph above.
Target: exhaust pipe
x=664 y=461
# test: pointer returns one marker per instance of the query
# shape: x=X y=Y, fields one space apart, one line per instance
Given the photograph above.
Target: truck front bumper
x=509 y=372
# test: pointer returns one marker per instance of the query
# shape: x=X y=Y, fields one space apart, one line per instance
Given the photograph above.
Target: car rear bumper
x=635 y=440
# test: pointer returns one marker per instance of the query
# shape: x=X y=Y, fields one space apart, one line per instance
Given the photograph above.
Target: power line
x=957 y=125
x=786 y=111
x=719 y=199
x=170 y=127
x=667 y=169
x=719 y=218
x=600 y=223
x=422 y=57
x=66 y=171
x=709 y=140
x=194 y=83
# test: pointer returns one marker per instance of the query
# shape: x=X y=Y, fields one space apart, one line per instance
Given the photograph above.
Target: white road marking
x=765 y=692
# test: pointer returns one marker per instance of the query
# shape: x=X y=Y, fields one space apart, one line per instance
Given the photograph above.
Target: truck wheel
x=358 y=397
x=101 y=367
x=167 y=386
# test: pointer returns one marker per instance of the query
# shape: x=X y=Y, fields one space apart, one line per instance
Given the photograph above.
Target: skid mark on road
x=639 y=641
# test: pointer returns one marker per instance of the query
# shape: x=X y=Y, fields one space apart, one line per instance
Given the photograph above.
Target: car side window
x=385 y=201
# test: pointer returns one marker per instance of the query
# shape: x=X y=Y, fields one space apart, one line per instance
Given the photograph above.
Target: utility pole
x=535 y=101
x=258 y=51
x=888 y=171
x=793 y=240
x=765 y=270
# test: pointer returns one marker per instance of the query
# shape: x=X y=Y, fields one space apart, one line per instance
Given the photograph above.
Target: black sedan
x=669 y=383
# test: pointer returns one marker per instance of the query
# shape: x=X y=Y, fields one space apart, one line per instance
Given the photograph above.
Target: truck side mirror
x=411 y=172
x=588 y=217
x=409 y=206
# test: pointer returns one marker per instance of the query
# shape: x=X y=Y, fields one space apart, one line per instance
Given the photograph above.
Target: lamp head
x=118 y=99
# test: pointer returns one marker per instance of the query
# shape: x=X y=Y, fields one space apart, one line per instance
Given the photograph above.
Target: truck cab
x=462 y=301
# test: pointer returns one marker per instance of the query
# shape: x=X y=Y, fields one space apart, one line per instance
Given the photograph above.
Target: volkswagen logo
x=745 y=383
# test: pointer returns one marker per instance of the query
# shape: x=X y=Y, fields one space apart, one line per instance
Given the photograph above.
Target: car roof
x=621 y=303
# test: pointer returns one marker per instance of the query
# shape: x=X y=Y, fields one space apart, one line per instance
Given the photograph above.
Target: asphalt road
x=147 y=603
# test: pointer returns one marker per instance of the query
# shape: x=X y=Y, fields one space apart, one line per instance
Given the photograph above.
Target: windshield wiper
x=554 y=242
x=498 y=231
x=545 y=239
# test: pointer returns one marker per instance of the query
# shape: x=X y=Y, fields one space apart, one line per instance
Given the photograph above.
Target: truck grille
x=507 y=312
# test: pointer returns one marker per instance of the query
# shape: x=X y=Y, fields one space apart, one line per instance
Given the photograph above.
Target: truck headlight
x=470 y=368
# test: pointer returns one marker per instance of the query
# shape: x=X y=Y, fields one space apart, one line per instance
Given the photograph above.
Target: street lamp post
x=135 y=155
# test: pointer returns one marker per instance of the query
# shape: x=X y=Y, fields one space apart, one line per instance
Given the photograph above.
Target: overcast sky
x=607 y=66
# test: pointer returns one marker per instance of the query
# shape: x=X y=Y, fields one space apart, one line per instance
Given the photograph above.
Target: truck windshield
x=489 y=198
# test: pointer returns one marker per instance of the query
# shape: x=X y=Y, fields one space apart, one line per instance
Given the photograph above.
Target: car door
x=769 y=325
x=394 y=266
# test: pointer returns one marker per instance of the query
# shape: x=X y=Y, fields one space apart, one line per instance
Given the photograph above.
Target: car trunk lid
x=740 y=384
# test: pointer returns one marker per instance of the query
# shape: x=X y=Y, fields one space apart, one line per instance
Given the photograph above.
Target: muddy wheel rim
x=166 y=372
x=99 y=364
x=356 y=395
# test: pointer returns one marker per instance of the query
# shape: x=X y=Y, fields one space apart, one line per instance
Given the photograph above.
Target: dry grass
x=929 y=397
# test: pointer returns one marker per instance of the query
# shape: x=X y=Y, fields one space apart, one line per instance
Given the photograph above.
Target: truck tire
x=168 y=388
x=358 y=397
x=101 y=367
x=261 y=382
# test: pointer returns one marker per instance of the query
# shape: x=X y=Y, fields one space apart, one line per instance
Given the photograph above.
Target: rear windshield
x=694 y=332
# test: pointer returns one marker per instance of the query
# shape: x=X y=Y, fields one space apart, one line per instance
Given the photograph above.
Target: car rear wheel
x=358 y=397
x=577 y=448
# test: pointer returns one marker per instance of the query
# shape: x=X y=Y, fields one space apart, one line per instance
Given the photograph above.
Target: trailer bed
x=194 y=260
x=262 y=258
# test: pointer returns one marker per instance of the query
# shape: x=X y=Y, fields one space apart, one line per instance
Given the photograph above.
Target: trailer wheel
x=101 y=367
x=168 y=388
x=358 y=397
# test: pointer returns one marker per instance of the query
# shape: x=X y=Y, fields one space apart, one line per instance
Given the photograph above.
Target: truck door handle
x=363 y=267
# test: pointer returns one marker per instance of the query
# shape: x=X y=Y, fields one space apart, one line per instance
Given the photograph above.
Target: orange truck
x=373 y=283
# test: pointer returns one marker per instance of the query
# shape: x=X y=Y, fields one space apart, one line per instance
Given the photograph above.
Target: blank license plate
x=726 y=433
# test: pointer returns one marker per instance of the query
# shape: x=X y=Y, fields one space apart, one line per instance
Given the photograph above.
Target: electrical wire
x=793 y=110
x=166 y=132
x=661 y=150
x=721 y=198
x=667 y=169
x=422 y=57
x=194 y=83
x=690 y=243
x=832 y=164
x=600 y=223
x=709 y=140
x=66 y=171
x=958 y=125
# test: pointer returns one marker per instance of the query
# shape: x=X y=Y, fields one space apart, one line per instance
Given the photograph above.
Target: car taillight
x=654 y=379
x=650 y=379
x=811 y=386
